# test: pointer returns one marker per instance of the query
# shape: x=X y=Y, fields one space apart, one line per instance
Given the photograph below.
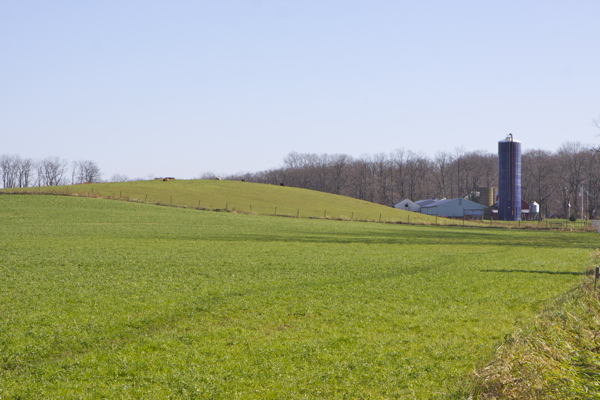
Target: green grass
x=554 y=357
x=261 y=199
x=242 y=197
x=105 y=299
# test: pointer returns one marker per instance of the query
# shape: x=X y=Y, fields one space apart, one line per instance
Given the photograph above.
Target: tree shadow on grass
x=534 y=272
x=425 y=236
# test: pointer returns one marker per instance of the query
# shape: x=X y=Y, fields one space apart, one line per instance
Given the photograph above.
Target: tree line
x=20 y=172
x=552 y=179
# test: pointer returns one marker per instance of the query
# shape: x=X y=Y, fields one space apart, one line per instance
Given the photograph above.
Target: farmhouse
x=407 y=205
x=453 y=208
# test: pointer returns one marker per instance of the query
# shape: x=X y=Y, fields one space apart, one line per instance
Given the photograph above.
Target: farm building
x=525 y=211
x=454 y=208
x=407 y=205
x=424 y=203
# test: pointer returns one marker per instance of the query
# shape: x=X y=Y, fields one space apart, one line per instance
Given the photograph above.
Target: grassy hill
x=261 y=199
x=105 y=299
x=243 y=197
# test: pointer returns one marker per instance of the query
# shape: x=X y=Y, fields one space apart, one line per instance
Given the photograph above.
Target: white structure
x=407 y=205
x=454 y=208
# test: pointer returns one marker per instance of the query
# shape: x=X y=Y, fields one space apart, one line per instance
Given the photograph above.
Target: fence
x=471 y=218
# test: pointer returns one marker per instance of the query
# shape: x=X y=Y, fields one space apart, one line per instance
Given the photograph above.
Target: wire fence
x=410 y=218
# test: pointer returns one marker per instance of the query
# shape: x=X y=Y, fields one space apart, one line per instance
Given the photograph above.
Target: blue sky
x=178 y=88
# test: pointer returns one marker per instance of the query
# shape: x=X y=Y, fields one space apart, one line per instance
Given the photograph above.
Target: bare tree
x=51 y=171
x=208 y=175
x=596 y=122
x=7 y=166
x=550 y=178
x=571 y=167
x=84 y=171
x=120 y=178
x=25 y=168
x=442 y=162
x=340 y=164
x=539 y=176
x=89 y=172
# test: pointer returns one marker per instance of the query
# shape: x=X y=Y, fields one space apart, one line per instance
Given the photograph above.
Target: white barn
x=454 y=208
x=407 y=205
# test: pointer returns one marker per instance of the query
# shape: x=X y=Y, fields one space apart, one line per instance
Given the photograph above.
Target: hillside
x=242 y=197
x=104 y=299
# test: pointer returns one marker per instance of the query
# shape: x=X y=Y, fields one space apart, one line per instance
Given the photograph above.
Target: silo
x=509 y=179
x=486 y=196
x=534 y=210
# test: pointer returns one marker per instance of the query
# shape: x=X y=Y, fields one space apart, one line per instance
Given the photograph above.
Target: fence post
x=352 y=217
x=325 y=214
x=275 y=210
x=146 y=199
x=379 y=217
x=199 y=204
x=171 y=200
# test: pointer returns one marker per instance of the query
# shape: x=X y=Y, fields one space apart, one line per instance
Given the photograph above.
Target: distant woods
x=20 y=172
x=553 y=179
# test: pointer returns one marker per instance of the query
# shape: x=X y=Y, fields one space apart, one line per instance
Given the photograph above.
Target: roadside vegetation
x=112 y=299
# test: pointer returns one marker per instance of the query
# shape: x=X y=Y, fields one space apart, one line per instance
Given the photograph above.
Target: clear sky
x=178 y=88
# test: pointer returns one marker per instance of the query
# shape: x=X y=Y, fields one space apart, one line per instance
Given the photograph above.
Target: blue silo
x=509 y=179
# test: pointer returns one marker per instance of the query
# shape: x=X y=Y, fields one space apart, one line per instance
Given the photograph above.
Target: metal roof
x=441 y=202
x=425 y=203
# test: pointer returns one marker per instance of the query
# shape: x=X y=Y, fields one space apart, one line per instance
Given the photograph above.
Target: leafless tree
x=596 y=122
x=51 y=171
x=571 y=173
x=85 y=171
x=208 y=175
x=442 y=162
x=7 y=166
x=120 y=178
x=550 y=178
x=539 y=176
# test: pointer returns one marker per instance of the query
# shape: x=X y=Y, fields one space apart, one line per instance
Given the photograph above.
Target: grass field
x=244 y=197
x=261 y=199
x=105 y=299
